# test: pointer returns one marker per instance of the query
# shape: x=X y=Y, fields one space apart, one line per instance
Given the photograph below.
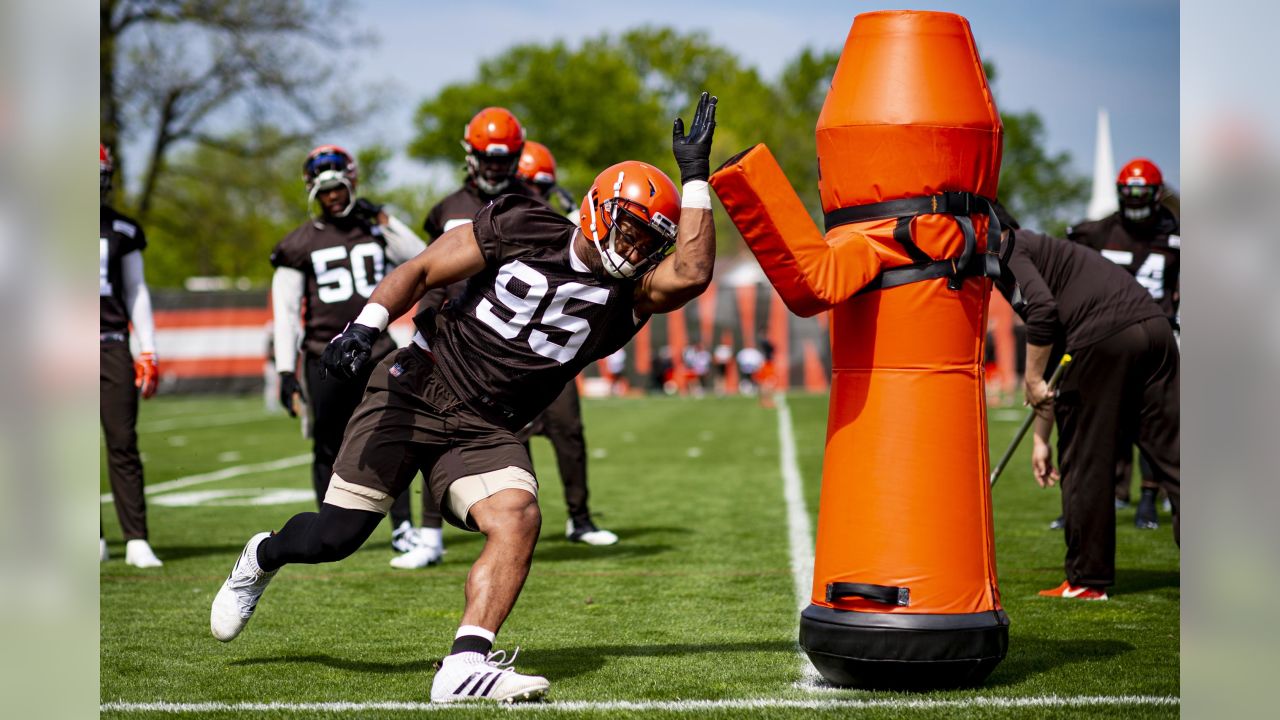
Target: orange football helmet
x=494 y=141
x=1138 y=186
x=631 y=214
x=537 y=164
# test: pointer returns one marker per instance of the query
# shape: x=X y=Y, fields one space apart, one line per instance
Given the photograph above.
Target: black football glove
x=366 y=210
x=289 y=386
x=693 y=151
x=347 y=352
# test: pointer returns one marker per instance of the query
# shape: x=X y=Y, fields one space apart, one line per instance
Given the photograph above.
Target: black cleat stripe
x=458 y=690
x=476 y=688
x=489 y=687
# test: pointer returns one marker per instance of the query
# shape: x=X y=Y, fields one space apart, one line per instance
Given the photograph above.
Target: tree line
x=227 y=98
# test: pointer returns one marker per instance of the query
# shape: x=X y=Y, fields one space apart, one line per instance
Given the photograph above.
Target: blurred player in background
x=1143 y=237
x=537 y=167
x=500 y=161
x=124 y=301
x=1121 y=389
x=325 y=270
x=561 y=422
x=450 y=404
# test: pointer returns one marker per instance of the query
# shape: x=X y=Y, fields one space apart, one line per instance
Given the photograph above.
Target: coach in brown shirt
x=1121 y=387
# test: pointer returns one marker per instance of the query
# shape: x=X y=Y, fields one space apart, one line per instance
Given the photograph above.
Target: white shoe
x=103 y=555
x=238 y=597
x=420 y=556
x=138 y=554
x=588 y=533
x=404 y=537
x=472 y=676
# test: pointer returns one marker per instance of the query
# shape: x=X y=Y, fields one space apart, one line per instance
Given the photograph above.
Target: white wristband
x=696 y=195
x=374 y=316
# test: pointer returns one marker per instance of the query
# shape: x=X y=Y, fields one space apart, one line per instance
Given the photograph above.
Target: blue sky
x=1062 y=59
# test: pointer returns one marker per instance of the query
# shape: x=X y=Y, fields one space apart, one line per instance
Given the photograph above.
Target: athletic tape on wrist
x=374 y=316
x=696 y=195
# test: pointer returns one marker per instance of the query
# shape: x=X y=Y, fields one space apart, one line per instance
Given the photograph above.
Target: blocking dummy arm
x=810 y=273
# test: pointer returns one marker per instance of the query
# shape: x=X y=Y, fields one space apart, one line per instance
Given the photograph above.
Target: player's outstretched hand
x=347 y=352
x=693 y=151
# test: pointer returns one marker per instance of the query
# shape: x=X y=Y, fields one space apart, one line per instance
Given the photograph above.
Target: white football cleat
x=103 y=555
x=404 y=537
x=138 y=553
x=588 y=533
x=420 y=556
x=238 y=597
x=472 y=676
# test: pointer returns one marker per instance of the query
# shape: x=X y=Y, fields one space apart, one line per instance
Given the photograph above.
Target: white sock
x=474 y=630
x=435 y=538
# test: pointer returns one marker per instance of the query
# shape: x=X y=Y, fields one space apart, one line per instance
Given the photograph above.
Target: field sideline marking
x=204 y=421
x=1037 y=701
x=799 y=533
x=223 y=474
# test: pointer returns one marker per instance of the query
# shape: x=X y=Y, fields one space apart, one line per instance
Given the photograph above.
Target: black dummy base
x=894 y=651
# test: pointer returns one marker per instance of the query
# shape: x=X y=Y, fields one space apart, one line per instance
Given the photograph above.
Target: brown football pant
x=118 y=409
x=1121 y=390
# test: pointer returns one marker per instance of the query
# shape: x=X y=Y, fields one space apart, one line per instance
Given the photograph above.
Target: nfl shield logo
x=396 y=370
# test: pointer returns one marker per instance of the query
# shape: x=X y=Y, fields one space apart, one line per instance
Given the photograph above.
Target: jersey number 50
x=522 y=310
x=336 y=284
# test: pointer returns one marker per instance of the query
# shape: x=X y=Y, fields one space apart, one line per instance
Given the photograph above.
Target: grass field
x=693 y=613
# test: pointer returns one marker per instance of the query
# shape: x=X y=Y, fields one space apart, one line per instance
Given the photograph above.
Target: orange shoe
x=1077 y=592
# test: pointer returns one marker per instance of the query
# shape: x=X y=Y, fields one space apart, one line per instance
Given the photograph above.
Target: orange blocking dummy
x=909 y=143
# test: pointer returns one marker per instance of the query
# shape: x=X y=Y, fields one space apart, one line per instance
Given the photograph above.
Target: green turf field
x=695 y=604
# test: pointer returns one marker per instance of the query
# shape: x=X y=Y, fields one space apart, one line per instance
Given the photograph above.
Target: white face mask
x=1137 y=213
x=329 y=179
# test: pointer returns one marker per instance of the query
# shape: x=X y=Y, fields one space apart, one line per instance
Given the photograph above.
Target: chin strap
x=613 y=262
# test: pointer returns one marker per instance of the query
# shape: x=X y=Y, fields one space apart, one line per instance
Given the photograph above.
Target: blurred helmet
x=630 y=214
x=327 y=167
x=1138 y=186
x=537 y=165
x=493 y=141
x=105 y=170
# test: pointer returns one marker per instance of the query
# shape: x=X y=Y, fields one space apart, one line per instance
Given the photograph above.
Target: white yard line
x=206 y=421
x=224 y=474
x=799 y=532
x=690 y=706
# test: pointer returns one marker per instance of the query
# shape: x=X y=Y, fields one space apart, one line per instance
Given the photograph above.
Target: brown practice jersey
x=117 y=236
x=458 y=208
x=532 y=319
x=1149 y=254
x=1071 y=293
x=343 y=260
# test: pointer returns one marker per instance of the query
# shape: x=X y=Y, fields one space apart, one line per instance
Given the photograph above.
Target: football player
x=493 y=142
x=124 y=301
x=451 y=402
x=1143 y=237
x=537 y=167
x=325 y=270
x=561 y=422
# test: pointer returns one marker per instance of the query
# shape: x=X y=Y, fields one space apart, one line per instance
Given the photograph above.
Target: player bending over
x=544 y=299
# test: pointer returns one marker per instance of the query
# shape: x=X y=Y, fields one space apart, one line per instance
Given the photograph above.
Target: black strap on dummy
x=960 y=205
x=886 y=594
